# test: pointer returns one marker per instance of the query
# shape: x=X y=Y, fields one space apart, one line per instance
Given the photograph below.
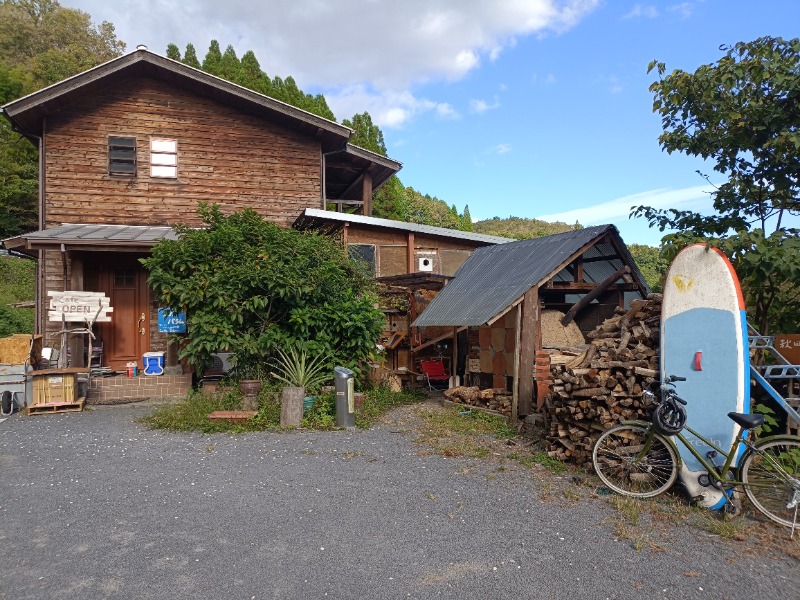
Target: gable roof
x=494 y=278
x=27 y=112
x=327 y=221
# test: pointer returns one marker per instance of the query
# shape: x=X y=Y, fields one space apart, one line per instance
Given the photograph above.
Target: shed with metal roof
x=585 y=274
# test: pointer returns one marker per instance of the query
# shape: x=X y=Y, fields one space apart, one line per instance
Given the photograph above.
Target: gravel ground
x=94 y=505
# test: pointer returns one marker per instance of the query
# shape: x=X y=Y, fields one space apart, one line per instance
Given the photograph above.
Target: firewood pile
x=497 y=399
x=598 y=386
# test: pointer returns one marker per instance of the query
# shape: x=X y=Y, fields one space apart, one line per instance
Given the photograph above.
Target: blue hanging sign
x=171 y=322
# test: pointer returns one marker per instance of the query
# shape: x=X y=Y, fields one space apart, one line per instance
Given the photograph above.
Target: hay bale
x=555 y=335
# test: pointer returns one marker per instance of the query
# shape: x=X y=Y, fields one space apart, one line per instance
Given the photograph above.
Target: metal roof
x=91 y=235
x=314 y=218
x=493 y=278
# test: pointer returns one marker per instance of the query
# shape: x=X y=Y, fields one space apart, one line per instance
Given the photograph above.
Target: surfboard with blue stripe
x=704 y=338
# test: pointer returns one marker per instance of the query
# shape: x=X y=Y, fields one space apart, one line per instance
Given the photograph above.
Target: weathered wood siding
x=224 y=156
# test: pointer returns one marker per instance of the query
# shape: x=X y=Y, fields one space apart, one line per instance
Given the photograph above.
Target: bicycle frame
x=718 y=476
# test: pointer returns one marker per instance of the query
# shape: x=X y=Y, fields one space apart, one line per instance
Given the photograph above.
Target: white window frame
x=163 y=158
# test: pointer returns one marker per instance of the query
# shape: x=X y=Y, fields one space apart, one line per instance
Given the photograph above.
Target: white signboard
x=79 y=306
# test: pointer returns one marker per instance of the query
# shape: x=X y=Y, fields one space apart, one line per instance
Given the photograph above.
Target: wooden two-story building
x=130 y=148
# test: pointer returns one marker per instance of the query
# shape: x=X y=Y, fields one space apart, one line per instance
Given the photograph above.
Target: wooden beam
x=601 y=288
x=515 y=385
x=528 y=342
x=429 y=343
x=366 y=193
x=567 y=286
x=410 y=253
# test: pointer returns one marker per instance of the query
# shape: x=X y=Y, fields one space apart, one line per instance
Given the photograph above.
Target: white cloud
x=548 y=79
x=684 y=9
x=646 y=11
x=387 y=108
x=501 y=149
x=693 y=198
x=481 y=106
x=384 y=44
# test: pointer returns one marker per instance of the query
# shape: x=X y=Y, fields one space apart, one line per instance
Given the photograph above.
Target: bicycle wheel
x=620 y=462
x=771 y=476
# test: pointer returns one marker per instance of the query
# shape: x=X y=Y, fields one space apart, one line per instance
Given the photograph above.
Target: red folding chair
x=435 y=373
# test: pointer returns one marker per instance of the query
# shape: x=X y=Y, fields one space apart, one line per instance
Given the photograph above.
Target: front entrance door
x=127 y=337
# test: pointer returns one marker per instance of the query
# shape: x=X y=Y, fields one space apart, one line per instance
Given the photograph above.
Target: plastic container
x=153 y=363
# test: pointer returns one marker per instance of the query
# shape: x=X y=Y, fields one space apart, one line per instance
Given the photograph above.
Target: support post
x=529 y=342
x=366 y=194
x=76 y=342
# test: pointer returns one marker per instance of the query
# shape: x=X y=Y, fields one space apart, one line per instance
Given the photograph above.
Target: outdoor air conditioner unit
x=221 y=363
x=425 y=264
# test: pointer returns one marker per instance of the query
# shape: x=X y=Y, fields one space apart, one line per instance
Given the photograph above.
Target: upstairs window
x=122 y=156
x=164 y=158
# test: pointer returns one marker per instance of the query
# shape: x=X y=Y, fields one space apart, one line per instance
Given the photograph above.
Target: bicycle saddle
x=747 y=421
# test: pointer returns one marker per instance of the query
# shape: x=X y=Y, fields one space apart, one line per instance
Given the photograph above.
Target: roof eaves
x=315 y=213
x=115 y=65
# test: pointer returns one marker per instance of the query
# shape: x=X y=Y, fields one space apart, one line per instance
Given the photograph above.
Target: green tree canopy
x=741 y=114
x=252 y=287
x=367 y=135
x=41 y=43
x=652 y=263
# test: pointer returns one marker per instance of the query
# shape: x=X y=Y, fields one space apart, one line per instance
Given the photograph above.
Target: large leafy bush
x=253 y=287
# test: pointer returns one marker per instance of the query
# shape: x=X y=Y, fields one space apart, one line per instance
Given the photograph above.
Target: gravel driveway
x=94 y=505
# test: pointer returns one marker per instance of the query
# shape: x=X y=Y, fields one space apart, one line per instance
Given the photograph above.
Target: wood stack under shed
x=496 y=399
x=599 y=385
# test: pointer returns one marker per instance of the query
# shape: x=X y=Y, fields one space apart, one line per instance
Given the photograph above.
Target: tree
x=252 y=287
x=190 y=56
x=211 y=63
x=651 y=263
x=41 y=43
x=230 y=67
x=51 y=42
x=173 y=52
x=742 y=114
x=367 y=135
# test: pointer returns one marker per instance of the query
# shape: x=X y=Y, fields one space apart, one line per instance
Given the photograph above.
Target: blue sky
x=528 y=108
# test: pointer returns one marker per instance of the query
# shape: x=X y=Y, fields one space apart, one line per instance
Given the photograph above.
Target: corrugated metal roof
x=310 y=215
x=493 y=278
x=88 y=234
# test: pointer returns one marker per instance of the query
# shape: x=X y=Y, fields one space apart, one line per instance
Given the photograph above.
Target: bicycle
x=637 y=458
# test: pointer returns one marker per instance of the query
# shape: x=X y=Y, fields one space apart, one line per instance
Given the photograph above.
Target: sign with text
x=171 y=322
x=79 y=307
x=788 y=344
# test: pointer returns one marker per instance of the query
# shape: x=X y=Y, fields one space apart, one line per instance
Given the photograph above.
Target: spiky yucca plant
x=298 y=369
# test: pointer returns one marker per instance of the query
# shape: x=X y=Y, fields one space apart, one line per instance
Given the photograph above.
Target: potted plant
x=251 y=376
x=300 y=372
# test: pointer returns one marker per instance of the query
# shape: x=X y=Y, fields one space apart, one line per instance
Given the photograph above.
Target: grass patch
x=456 y=433
x=192 y=413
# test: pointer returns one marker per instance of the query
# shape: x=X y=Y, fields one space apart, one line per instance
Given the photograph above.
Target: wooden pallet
x=56 y=407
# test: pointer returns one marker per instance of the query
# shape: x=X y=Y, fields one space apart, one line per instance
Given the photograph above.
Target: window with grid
x=122 y=156
x=164 y=158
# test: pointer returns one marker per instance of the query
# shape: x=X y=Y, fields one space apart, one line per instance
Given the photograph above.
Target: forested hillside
x=520 y=229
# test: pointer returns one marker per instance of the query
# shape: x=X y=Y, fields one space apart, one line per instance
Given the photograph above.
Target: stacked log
x=598 y=386
x=496 y=399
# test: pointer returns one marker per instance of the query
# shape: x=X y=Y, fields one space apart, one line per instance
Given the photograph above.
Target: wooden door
x=127 y=337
